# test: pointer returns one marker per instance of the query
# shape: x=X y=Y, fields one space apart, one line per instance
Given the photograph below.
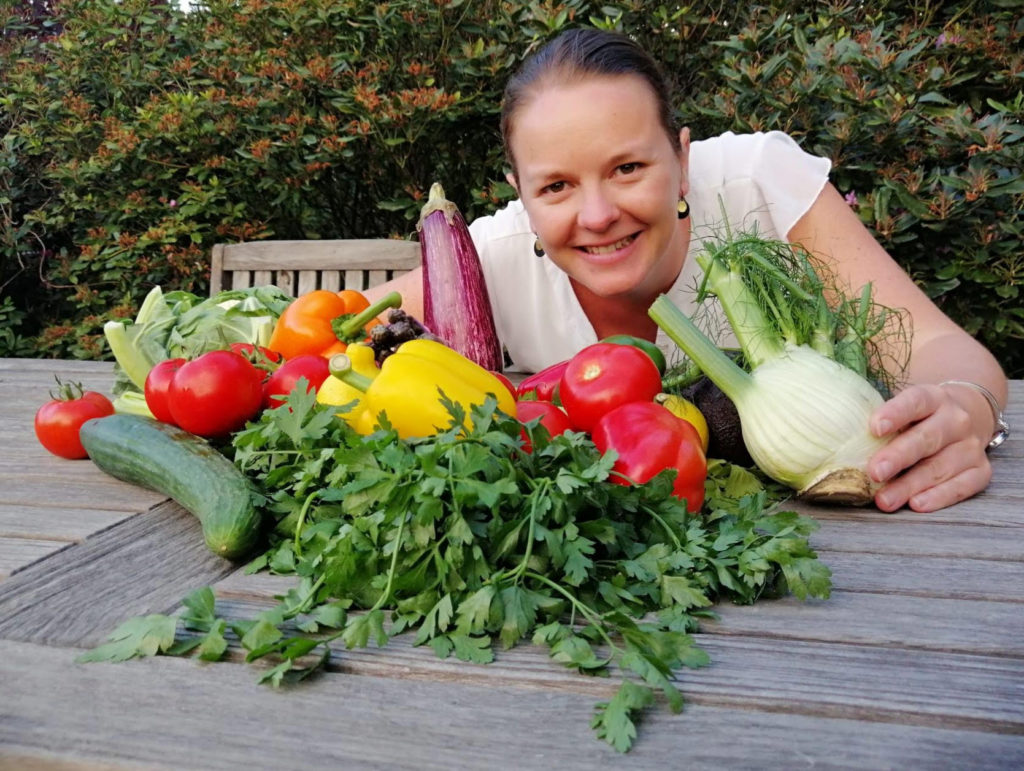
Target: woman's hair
x=575 y=55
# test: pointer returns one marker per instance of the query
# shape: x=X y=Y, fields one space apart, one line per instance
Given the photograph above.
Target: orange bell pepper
x=325 y=322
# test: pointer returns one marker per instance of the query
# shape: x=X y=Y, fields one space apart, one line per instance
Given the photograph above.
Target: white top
x=764 y=180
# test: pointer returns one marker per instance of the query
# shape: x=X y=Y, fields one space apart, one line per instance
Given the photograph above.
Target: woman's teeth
x=609 y=248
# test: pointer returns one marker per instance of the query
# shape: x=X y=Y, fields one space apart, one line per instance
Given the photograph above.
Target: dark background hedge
x=136 y=136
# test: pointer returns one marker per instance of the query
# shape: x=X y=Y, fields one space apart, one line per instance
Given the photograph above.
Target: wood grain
x=145 y=564
x=160 y=713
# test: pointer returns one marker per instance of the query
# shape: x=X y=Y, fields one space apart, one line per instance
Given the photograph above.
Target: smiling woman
x=615 y=206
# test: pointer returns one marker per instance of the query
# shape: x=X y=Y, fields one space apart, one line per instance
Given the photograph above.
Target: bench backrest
x=298 y=267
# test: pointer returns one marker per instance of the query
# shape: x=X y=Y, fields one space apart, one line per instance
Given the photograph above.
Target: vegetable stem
x=340 y=366
x=720 y=368
x=745 y=316
x=351 y=325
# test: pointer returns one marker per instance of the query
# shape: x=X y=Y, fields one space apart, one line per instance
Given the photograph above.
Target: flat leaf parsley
x=470 y=543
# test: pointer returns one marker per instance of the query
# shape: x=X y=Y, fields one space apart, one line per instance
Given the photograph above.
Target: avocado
x=725 y=435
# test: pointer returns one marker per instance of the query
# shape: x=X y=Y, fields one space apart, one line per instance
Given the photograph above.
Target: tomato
x=257 y=354
x=158 y=383
x=57 y=422
x=646 y=346
x=551 y=417
x=603 y=376
x=503 y=379
x=311 y=366
x=215 y=394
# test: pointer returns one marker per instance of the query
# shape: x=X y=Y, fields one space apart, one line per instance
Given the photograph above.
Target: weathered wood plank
x=71 y=524
x=353 y=254
x=104 y=493
x=172 y=713
x=998 y=507
x=919 y=539
x=17 y=553
x=145 y=564
x=925 y=623
x=839 y=680
x=949 y=577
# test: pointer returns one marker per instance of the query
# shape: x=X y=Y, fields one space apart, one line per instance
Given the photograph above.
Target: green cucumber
x=184 y=467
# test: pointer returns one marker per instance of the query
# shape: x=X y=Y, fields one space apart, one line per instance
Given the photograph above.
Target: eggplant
x=456 y=307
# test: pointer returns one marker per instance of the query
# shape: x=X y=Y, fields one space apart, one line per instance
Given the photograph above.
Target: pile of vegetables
x=411 y=488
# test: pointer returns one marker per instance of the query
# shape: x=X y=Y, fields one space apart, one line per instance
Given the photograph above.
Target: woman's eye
x=628 y=168
x=554 y=187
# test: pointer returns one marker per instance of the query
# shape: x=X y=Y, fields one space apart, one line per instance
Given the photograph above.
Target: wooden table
x=916 y=661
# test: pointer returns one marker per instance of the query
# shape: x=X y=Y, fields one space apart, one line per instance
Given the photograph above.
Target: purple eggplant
x=456 y=307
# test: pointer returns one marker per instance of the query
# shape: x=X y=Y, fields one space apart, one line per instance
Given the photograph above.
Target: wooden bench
x=302 y=266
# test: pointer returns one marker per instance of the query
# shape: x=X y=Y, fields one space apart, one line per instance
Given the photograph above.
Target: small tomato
x=58 y=421
x=551 y=418
x=503 y=379
x=215 y=394
x=158 y=384
x=259 y=355
x=283 y=380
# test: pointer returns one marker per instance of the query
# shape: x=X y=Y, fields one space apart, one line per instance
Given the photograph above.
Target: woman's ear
x=684 y=161
x=511 y=179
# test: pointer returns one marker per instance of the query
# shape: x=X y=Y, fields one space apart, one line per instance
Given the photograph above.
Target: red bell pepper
x=542 y=385
x=603 y=376
x=649 y=439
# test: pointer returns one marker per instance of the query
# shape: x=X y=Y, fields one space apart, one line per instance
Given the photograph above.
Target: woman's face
x=600 y=181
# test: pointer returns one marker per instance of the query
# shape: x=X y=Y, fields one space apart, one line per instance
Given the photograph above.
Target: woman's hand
x=940 y=448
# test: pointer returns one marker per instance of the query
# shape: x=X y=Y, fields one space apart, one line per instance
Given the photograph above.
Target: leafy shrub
x=137 y=136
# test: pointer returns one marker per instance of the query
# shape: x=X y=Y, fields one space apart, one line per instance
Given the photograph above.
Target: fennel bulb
x=804 y=415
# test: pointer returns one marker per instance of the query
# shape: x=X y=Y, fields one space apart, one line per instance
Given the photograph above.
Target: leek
x=805 y=402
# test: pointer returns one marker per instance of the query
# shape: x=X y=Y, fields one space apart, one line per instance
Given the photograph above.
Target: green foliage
x=136 y=136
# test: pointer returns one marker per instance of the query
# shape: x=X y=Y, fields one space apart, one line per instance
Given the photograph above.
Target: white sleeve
x=790 y=178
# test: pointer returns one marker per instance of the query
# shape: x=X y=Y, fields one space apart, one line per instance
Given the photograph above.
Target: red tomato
x=258 y=355
x=553 y=419
x=603 y=376
x=215 y=394
x=311 y=366
x=57 y=422
x=158 y=383
x=503 y=378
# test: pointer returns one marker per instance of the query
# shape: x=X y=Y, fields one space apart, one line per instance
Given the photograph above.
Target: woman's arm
x=409 y=285
x=945 y=428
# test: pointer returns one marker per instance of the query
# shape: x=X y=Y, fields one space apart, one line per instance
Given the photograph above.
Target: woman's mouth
x=610 y=248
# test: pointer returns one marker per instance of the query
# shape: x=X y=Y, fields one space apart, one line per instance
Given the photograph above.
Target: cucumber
x=184 y=467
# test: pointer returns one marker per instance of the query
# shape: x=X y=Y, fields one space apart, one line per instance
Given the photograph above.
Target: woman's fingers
x=941 y=458
x=956 y=473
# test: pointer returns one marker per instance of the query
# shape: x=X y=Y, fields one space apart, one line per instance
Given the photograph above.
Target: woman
x=614 y=202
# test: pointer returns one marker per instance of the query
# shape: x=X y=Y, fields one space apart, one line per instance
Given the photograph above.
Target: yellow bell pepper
x=688 y=411
x=407 y=388
x=336 y=391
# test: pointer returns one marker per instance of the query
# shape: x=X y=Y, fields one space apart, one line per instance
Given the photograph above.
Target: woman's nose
x=597 y=211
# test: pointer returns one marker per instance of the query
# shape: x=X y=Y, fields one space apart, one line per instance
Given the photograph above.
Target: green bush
x=137 y=136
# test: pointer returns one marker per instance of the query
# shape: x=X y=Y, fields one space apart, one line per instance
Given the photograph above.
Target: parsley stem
x=654 y=515
x=394 y=564
x=535 y=496
x=587 y=612
x=301 y=521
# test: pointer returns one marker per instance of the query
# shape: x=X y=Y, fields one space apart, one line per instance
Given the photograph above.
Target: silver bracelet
x=1002 y=427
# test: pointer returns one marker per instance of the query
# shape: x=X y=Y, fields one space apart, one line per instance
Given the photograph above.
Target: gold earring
x=682 y=208
x=537 y=248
